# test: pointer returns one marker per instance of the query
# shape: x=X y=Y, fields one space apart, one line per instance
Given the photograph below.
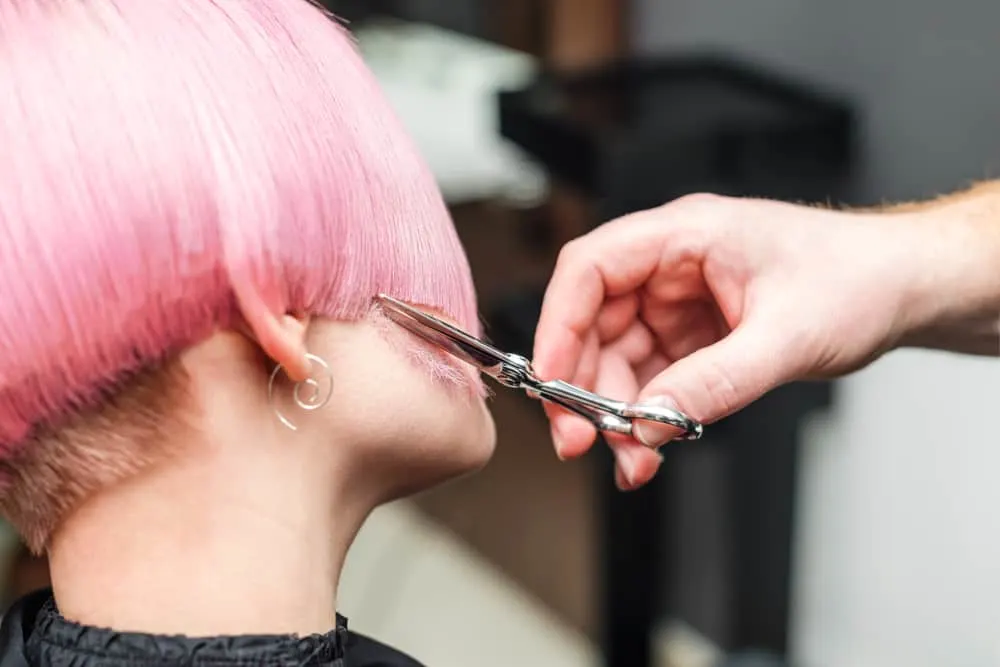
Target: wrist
x=952 y=290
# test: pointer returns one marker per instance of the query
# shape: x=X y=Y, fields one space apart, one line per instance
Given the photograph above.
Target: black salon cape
x=33 y=634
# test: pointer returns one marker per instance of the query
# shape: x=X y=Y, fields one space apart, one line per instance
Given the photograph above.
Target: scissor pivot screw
x=516 y=371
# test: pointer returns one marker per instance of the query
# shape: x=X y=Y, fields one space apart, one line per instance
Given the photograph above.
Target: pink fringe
x=154 y=152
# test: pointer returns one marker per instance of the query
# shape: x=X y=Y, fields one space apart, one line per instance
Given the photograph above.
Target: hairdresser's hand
x=707 y=303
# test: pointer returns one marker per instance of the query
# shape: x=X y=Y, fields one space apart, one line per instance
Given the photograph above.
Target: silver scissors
x=514 y=371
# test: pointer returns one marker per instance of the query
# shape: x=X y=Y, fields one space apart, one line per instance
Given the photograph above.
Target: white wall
x=899 y=530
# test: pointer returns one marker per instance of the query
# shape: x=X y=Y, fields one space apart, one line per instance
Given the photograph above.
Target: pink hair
x=157 y=155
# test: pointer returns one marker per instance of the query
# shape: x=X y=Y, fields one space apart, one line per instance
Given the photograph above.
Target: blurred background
x=843 y=525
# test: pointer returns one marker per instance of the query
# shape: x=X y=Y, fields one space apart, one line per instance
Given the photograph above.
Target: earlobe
x=281 y=336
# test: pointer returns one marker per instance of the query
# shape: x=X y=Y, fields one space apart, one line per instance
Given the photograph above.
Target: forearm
x=954 y=299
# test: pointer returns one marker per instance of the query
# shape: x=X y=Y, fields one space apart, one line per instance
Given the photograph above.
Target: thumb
x=717 y=380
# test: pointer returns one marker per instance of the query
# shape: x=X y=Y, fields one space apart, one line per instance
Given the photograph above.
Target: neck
x=247 y=539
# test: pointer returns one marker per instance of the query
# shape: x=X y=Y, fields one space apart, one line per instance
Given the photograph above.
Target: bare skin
x=245 y=529
x=707 y=303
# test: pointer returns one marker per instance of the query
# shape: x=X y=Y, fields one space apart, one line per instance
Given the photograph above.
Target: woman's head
x=177 y=169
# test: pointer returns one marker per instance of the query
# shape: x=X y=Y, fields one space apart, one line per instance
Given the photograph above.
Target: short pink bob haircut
x=154 y=154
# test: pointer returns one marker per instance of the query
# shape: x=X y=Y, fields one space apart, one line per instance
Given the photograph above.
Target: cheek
x=441 y=416
x=409 y=410
x=430 y=360
x=459 y=379
x=431 y=433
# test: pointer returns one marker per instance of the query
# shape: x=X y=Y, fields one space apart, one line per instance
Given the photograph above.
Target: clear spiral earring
x=309 y=394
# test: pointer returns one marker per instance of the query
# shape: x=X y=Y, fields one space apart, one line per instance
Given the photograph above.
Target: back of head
x=158 y=157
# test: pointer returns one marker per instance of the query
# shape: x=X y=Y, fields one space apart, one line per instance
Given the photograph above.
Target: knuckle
x=721 y=390
x=699 y=201
x=571 y=253
x=725 y=394
x=702 y=214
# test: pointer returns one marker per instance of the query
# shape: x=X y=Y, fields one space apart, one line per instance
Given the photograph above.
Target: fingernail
x=627 y=464
x=652 y=434
x=620 y=481
x=557 y=443
x=559 y=447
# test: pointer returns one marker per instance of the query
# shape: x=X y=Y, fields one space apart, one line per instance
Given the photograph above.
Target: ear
x=280 y=335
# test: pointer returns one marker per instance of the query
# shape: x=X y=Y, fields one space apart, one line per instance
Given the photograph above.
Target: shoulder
x=363 y=651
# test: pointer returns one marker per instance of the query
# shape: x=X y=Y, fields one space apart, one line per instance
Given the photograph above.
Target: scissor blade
x=453 y=340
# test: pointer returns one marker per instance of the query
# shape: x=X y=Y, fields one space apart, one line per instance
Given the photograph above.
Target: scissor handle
x=692 y=429
x=588 y=405
x=613 y=416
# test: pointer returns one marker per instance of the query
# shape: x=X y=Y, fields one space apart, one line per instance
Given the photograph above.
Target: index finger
x=614 y=259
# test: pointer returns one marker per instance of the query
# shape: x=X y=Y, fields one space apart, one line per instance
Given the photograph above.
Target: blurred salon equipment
x=434 y=62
